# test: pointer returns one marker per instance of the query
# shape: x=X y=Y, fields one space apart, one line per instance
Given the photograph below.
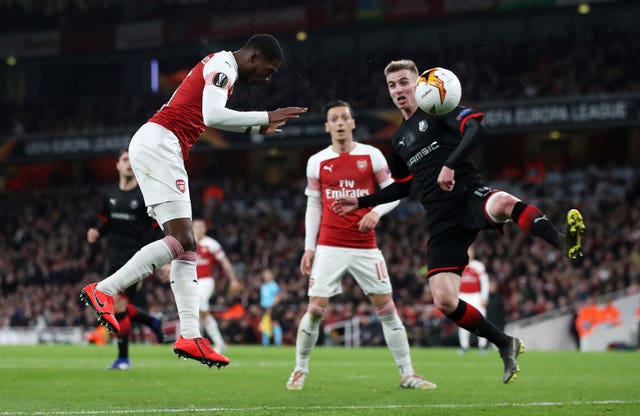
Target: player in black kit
x=124 y=218
x=432 y=152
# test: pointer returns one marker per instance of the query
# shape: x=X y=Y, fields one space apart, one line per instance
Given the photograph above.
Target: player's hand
x=284 y=114
x=92 y=235
x=306 y=262
x=271 y=128
x=369 y=221
x=235 y=287
x=445 y=179
x=343 y=206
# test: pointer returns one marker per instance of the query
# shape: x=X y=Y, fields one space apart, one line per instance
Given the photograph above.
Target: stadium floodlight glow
x=154 y=75
x=584 y=8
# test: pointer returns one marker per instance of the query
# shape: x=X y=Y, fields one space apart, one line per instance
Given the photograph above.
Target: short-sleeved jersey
x=268 y=293
x=208 y=254
x=332 y=175
x=422 y=144
x=124 y=219
x=473 y=278
x=182 y=114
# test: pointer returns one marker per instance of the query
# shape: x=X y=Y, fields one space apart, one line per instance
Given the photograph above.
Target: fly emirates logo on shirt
x=347 y=188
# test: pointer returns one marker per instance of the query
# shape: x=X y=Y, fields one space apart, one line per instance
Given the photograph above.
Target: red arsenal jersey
x=332 y=175
x=208 y=254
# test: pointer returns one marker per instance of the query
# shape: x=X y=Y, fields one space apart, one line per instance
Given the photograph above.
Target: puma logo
x=544 y=217
x=328 y=167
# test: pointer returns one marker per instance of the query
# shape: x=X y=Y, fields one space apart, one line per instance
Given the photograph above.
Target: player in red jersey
x=209 y=256
x=474 y=289
x=335 y=245
x=157 y=151
x=433 y=152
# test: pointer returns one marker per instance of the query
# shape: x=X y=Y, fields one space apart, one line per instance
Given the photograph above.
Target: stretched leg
x=395 y=335
x=144 y=263
x=503 y=207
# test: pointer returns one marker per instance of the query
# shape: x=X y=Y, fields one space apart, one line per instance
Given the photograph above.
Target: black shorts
x=454 y=228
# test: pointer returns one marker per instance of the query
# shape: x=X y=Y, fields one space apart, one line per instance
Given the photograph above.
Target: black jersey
x=421 y=146
x=124 y=218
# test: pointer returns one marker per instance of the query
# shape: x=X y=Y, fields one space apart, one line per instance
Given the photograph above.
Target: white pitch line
x=301 y=408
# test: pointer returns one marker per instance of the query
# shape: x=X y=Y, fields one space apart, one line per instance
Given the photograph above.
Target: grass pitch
x=71 y=380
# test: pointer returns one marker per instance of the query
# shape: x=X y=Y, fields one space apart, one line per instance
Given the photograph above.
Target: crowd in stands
x=490 y=70
x=46 y=259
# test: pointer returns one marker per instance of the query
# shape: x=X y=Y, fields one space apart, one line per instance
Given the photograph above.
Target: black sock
x=469 y=318
x=531 y=220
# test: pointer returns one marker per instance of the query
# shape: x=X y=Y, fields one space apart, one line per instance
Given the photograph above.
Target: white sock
x=184 y=284
x=463 y=337
x=144 y=263
x=306 y=339
x=395 y=336
x=211 y=326
x=482 y=342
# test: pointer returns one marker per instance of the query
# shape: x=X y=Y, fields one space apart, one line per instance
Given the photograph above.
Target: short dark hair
x=265 y=45
x=337 y=103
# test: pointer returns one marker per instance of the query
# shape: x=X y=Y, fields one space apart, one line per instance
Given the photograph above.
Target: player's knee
x=389 y=308
x=445 y=304
x=500 y=205
x=316 y=311
x=186 y=240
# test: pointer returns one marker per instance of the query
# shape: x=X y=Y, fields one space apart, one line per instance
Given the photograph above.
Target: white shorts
x=206 y=286
x=156 y=159
x=474 y=299
x=367 y=266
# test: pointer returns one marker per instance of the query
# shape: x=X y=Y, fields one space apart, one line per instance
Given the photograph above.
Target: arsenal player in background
x=474 y=289
x=157 y=151
x=335 y=245
x=210 y=258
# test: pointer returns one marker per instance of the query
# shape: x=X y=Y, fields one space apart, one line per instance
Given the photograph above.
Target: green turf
x=71 y=380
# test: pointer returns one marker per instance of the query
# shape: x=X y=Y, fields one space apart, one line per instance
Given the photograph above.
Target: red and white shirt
x=209 y=253
x=201 y=100
x=332 y=175
x=475 y=279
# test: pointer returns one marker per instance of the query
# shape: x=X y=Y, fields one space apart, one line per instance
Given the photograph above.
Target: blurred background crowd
x=502 y=56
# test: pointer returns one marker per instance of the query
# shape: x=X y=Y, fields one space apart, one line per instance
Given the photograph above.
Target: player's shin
x=184 y=284
x=307 y=336
x=533 y=221
x=395 y=335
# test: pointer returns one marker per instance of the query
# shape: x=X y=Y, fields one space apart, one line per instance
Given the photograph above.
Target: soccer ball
x=438 y=91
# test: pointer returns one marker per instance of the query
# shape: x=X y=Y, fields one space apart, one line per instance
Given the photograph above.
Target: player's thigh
x=329 y=265
x=157 y=162
x=448 y=251
x=369 y=269
x=206 y=287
